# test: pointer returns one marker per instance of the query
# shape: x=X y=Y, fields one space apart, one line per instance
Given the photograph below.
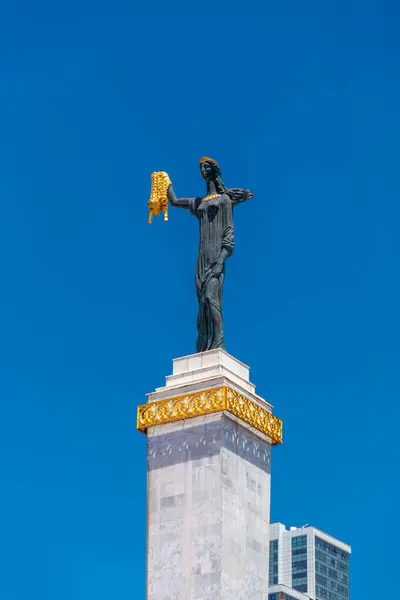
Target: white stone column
x=208 y=483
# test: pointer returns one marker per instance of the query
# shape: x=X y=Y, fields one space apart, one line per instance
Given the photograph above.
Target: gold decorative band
x=206 y=403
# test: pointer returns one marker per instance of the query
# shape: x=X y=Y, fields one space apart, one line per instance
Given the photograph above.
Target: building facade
x=308 y=561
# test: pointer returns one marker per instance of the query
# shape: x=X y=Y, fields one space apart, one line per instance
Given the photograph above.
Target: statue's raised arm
x=179 y=202
x=217 y=240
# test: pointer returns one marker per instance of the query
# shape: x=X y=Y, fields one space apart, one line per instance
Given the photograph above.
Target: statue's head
x=209 y=168
x=211 y=171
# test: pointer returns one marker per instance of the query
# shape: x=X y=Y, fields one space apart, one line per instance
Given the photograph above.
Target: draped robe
x=216 y=233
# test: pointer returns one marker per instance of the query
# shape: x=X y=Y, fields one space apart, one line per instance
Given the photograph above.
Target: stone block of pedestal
x=209 y=442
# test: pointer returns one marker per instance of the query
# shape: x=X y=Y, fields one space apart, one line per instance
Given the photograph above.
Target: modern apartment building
x=308 y=561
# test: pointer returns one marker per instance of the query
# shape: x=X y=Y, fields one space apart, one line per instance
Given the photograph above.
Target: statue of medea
x=215 y=215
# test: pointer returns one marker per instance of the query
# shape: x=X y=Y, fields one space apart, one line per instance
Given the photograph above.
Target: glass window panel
x=322 y=593
x=299 y=564
x=299 y=575
x=331 y=549
x=299 y=551
x=300 y=540
x=333 y=573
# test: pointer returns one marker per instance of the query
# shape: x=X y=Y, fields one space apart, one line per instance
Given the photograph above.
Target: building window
x=333 y=550
x=321 y=556
x=321 y=580
x=299 y=540
x=332 y=567
x=322 y=594
x=301 y=575
x=299 y=563
x=299 y=551
x=273 y=562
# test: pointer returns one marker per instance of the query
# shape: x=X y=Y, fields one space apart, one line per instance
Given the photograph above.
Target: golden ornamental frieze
x=208 y=402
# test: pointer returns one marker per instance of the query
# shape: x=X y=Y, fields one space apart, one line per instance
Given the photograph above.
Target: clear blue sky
x=299 y=102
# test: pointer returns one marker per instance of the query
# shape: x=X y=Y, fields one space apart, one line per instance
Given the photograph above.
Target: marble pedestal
x=209 y=440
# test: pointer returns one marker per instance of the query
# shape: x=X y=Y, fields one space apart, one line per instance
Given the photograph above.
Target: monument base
x=208 y=483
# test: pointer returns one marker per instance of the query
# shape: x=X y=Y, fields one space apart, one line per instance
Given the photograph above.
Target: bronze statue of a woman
x=214 y=213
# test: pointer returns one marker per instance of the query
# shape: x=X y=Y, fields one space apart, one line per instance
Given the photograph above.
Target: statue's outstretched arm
x=179 y=202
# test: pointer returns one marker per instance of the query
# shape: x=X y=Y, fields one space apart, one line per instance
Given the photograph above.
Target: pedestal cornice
x=207 y=402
